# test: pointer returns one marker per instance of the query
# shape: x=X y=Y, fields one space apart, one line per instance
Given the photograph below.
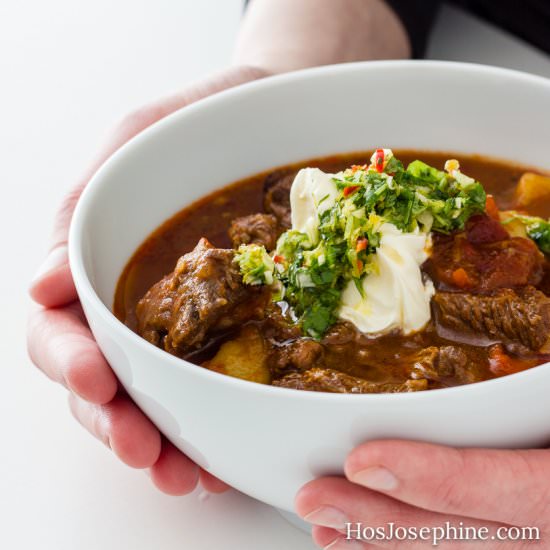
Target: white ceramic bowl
x=268 y=441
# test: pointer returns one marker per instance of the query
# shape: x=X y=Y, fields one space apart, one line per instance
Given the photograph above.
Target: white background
x=69 y=70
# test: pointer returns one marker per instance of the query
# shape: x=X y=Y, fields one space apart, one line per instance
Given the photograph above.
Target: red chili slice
x=350 y=189
x=491 y=207
x=379 y=160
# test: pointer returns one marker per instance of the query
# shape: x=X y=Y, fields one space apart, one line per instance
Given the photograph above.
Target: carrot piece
x=360 y=265
x=461 y=278
x=492 y=208
x=278 y=259
x=362 y=243
x=501 y=364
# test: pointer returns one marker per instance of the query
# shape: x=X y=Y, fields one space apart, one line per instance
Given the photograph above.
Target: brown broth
x=210 y=217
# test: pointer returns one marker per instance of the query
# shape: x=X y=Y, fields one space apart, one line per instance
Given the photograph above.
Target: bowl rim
x=100 y=178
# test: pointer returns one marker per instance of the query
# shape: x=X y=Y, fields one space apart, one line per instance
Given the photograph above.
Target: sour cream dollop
x=312 y=192
x=396 y=296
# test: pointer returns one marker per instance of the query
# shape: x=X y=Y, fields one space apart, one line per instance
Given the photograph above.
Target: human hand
x=422 y=485
x=61 y=344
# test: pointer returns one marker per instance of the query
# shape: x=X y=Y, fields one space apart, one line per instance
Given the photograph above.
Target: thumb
x=53 y=285
x=505 y=486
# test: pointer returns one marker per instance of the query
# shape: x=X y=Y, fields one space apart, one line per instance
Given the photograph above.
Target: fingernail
x=327 y=516
x=342 y=543
x=56 y=258
x=377 y=478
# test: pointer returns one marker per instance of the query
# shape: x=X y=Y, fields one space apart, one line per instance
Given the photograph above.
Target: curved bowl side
x=268 y=441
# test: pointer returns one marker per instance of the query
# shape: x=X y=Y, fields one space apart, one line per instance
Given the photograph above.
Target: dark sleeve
x=417 y=17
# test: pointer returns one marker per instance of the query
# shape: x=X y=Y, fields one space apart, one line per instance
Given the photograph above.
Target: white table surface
x=68 y=70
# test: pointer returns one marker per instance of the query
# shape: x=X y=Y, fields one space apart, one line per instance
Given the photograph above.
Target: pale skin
x=409 y=483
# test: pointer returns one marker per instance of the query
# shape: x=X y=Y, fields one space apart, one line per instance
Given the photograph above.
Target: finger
x=61 y=344
x=173 y=473
x=53 y=284
x=341 y=505
x=122 y=427
x=327 y=538
x=505 y=486
x=212 y=484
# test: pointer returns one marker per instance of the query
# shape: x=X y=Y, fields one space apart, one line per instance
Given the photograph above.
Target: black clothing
x=527 y=19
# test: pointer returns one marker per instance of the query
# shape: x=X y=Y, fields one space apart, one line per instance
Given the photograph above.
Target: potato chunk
x=532 y=188
x=245 y=358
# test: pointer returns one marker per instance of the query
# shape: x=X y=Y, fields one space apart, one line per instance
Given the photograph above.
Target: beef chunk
x=544 y=284
x=254 y=229
x=333 y=381
x=482 y=229
x=203 y=295
x=301 y=354
x=425 y=364
x=452 y=360
x=340 y=334
x=277 y=196
x=278 y=325
x=435 y=364
x=505 y=315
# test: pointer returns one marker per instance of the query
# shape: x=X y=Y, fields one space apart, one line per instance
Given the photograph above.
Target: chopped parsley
x=312 y=275
x=256 y=264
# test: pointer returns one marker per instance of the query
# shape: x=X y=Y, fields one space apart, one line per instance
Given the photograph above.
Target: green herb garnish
x=314 y=274
x=255 y=264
